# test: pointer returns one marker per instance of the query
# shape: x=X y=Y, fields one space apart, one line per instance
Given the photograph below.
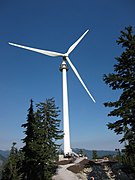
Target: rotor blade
x=49 y=53
x=76 y=43
x=80 y=79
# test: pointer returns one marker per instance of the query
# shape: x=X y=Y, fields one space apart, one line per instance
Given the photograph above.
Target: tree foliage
x=123 y=78
x=12 y=168
x=42 y=132
x=94 y=154
x=29 y=162
x=37 y=159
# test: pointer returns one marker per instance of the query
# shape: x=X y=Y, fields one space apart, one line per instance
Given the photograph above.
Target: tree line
x=37 y=159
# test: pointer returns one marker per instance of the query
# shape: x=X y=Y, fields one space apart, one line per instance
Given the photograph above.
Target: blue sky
x=55 y=25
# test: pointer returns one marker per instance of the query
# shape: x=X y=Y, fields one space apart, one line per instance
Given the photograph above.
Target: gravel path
x=64 y=174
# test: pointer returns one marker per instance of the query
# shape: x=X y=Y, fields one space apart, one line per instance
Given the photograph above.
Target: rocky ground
x=84 y=169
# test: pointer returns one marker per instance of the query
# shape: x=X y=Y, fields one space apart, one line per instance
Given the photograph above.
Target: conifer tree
x=12 y=168
x=123 y=79
x=48 y=133
x=30 y=159
x=42 y=132
x=94 y=154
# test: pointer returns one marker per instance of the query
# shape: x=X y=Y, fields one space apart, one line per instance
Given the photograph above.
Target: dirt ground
x=84 y=169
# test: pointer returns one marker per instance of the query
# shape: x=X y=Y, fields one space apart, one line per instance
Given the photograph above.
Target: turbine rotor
x=64 y=55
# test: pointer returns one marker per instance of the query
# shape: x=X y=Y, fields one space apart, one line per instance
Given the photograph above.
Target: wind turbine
x=64 y=69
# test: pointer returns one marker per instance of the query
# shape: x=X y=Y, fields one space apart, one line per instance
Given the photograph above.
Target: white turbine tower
x=63 y=68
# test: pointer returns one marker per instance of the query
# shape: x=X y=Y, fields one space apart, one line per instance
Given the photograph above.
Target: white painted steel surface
x=67 y=148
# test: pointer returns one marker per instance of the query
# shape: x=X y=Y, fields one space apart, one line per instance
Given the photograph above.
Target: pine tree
x=30 y=154
x=42 y=132
x=12 y=168
x=123 y=79
x=48 y=133
x=94 y=154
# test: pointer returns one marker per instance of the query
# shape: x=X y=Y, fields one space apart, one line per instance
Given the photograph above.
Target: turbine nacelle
x=65 y=57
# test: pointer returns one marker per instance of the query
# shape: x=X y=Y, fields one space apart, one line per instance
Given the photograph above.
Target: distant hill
x=100 y=153
x=5 y=154
x=2 y=158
